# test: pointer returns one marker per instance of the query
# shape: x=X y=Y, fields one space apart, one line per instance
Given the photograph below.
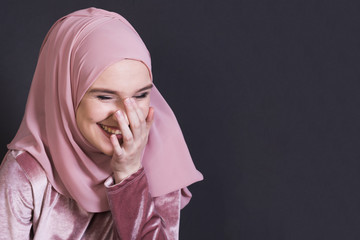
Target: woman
x=84 y=163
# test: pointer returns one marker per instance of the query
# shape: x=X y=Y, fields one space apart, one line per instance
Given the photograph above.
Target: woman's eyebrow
x=102 y=90
x=145 y=88
x=105 y=90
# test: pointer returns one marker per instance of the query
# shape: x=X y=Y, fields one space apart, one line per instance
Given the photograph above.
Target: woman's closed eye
x=143 y=95
x=104 y=97
x=110 y=97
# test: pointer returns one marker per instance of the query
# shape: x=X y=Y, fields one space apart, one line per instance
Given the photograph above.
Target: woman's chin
x=106 y=148
x=108 y=152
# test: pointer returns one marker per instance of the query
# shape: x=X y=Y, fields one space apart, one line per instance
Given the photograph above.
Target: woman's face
x=95 y=114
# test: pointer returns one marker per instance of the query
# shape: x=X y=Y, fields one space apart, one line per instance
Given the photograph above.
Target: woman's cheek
x=99 y=112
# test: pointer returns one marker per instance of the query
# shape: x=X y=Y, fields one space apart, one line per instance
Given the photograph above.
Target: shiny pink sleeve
x=137 y=215
x=16 y=201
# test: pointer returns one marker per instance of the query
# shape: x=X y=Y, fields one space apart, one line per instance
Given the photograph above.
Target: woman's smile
x=110 y=129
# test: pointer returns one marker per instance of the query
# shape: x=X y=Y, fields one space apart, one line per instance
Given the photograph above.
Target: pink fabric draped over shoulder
x=76 y=50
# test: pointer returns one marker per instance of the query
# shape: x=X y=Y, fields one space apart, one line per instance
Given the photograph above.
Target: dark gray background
x=266 y=93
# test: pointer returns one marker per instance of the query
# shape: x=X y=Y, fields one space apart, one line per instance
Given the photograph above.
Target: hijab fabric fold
x=76 y=50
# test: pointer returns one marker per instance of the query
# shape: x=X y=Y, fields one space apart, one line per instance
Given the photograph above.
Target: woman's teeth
x=110 y=129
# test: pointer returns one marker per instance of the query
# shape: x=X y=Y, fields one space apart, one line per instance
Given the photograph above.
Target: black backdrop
x=266 y=93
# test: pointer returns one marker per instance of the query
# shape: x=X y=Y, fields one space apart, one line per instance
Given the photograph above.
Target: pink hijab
x=74 y=53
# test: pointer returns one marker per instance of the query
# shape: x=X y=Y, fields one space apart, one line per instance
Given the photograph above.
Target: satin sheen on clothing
x=30 y=208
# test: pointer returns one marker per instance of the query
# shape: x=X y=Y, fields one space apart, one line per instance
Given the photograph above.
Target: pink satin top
x=30 y=208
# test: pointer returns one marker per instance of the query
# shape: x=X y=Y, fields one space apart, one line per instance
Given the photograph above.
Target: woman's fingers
x=126 y=133
x=139 y=124
x=117 y=148
x=135 y=116
x=134 y=121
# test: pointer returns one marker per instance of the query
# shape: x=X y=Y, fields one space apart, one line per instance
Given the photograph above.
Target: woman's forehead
x=123 y=76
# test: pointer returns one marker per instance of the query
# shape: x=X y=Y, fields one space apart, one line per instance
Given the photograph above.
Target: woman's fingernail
x=113 y=136
x=128 y=101
x=119 y=114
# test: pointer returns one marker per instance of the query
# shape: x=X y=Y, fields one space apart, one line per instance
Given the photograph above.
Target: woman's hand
x=126 y=158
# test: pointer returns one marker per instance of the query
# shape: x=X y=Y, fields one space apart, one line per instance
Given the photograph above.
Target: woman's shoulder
x=19 y=170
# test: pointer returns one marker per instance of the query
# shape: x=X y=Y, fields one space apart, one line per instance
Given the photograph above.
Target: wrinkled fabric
x=30 y=208
x=137 y=216
x=76 y=50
